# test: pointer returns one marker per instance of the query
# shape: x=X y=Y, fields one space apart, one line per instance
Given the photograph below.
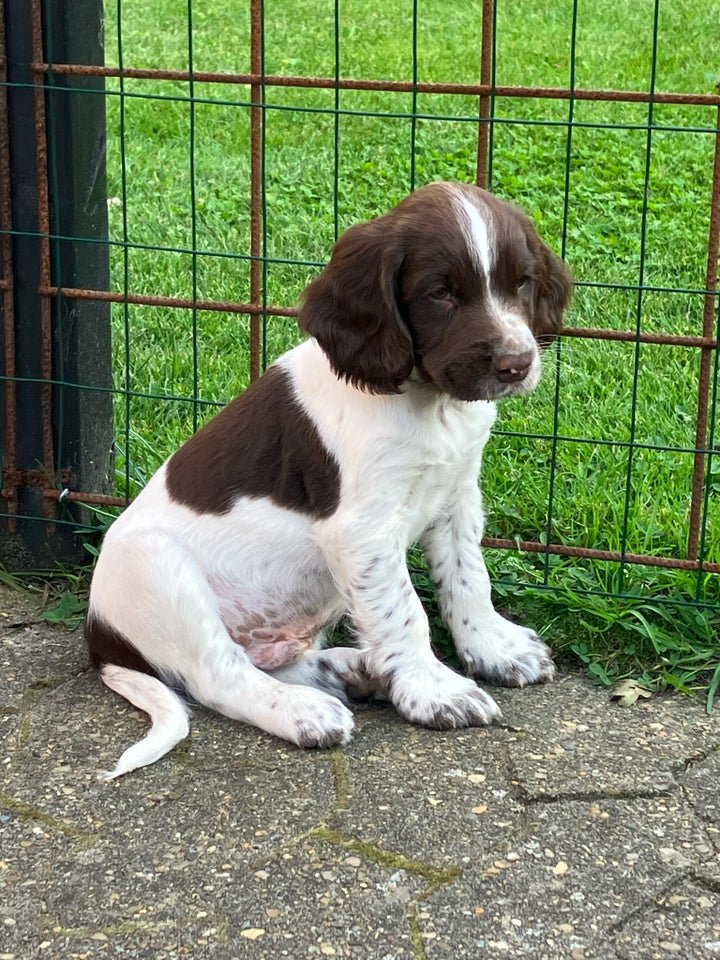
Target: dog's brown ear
x=552 y=296
x=353 y=312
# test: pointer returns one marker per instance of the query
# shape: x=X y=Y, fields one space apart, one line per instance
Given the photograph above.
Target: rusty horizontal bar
x=587 y=553
x=33 y=478
x=498 y=543
x=94 y=499
x=221 y=306
x=388 y=86
x=631 y=336
x=523 y=546
x=256 y=309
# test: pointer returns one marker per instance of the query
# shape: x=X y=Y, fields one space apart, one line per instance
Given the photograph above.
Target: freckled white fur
x=171 y=580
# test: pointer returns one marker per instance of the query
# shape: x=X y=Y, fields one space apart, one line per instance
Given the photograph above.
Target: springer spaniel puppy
x=296 y=504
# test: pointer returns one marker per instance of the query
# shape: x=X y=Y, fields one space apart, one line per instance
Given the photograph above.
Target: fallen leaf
x=626 y=692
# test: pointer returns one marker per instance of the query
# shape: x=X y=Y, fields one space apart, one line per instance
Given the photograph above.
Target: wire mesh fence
x=241 y=142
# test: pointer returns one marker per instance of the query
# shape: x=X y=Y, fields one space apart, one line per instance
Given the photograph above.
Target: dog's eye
x=525 y=285
x=441 y=292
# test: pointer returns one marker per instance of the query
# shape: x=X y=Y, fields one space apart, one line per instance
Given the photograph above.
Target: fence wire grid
x=242 y=139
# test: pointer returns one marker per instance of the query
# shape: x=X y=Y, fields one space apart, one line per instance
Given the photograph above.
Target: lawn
x=601 y=456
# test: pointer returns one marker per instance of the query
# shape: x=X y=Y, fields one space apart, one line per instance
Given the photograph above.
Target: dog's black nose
x=512 y=367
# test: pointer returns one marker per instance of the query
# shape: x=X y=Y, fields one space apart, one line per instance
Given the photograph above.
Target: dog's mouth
x=475 y=379
x=492 y=389
x=516 y=388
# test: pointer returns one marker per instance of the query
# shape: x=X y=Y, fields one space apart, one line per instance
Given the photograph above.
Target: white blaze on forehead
x=477 y=227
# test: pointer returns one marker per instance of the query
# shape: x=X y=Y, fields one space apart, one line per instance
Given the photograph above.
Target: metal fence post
x=57 y=434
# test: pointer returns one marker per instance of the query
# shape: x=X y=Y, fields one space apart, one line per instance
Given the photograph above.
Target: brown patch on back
x=108 y=645
x=263 y=444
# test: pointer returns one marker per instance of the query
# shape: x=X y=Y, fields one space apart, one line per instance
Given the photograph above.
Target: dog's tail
x=168 y=715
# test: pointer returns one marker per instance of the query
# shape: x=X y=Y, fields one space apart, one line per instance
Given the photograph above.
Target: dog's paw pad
x=320 y=722
x=511 y=656
x=458 y=712
x=446 y=701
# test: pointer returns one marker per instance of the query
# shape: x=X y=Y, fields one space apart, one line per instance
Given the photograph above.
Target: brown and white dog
x=296 y=504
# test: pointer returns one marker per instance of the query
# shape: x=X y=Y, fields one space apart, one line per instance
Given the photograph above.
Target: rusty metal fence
x=43 y=305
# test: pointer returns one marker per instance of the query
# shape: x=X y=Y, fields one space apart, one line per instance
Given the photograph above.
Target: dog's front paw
x=440 y=699
x=309 y=718
x=507 y=655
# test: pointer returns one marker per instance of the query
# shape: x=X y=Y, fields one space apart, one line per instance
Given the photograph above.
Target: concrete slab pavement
x=574 y=829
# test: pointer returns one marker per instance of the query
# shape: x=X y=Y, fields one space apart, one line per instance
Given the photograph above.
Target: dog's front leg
x=370 y=572
x=489 y=646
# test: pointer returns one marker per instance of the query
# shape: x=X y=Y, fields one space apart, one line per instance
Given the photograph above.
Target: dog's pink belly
x=275 y=631
x=269 y=649
x=270 y=641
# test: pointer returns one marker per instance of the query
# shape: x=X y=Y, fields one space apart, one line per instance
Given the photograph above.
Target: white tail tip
x=169 y=717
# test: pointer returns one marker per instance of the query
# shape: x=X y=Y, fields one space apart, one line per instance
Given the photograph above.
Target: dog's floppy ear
x=553 y=293
x=352 y=310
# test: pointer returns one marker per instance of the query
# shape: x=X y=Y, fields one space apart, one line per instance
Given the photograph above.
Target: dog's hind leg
x=339 y=671
x=307 y=717
x=149 y=589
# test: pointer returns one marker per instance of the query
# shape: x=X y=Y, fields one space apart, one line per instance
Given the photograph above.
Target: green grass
x=608 y=394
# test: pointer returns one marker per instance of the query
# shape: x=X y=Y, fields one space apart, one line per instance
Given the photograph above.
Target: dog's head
x=452 y=287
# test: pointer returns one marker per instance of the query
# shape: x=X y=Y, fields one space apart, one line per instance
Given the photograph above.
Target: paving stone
x=569 y=738
x=700 y=783
x=572 y=829
x=576 y=884
x=442 y=799
x=684 y=922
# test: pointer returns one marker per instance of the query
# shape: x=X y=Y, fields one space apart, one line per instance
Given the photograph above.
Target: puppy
x=296 y=504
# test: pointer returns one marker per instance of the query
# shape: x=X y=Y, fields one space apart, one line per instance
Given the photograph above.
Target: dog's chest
x=429 y=493
x=443 y=460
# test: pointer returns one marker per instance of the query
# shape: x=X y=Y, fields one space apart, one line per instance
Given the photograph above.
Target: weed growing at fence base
x=179 y=168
